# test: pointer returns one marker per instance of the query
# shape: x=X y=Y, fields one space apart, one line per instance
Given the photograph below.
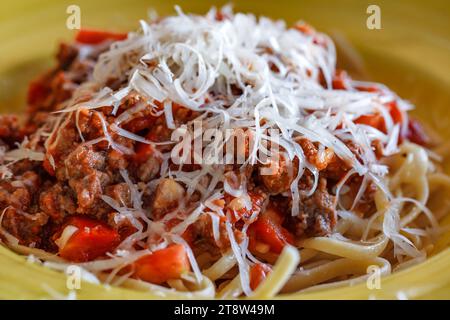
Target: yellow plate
x=410 y=54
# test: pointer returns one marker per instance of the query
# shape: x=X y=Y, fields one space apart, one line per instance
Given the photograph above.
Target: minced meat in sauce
x=39 y=197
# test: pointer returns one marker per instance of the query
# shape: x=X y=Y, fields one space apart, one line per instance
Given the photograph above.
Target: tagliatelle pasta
x=217 y=156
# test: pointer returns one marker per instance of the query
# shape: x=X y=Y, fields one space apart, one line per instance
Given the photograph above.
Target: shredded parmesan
x=67 y=233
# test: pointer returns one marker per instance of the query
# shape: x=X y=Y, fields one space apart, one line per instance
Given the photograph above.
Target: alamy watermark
x=373 y=21
x=73 y=21
x=373 y=281
x=73 y=280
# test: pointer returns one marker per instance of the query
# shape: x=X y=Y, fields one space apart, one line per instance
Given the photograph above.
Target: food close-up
x=225 y=153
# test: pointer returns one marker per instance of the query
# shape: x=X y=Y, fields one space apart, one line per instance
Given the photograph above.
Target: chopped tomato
x=162 y=265
x=416 y=133
x=258 y=272
x=374 y=120
x=395 y=112
x=91 y=36
x=91 y=240
x=377 y=120
x=140 y=123
x=372 y=89
x=268 y=229
x=143 y=150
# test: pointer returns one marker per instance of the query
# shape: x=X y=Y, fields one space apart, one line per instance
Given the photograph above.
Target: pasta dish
x=219 y=156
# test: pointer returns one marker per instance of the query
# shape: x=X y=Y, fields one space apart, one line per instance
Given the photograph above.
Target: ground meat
x=31 y=181
x=366 y=204
x=121 y=193
x=61 y=89
x=116 y=160
x=204 y=236
x=149 y=169
x=16 y=199
x=66 y=55
x=88 y=190
x=10 y=129
x=19 y=193
x=281 y=174
x=25 y=227
x=57 y=202
x=66 y=142
x=21 y=167
x=12 y=196
x=238 y=214
x=83 y=161
x=320 y=159
x=73 y=176
x=167 y=196
x=82 y=168
x=48 y=91
x=317 y=215
x=203 y=231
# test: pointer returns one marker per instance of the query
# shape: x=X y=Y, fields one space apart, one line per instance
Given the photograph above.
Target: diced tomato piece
x=416 y=133
x=258 y=272
x=143 y=150
x=91 y=36
x=125 y=231
x=377 y=120
x=92 y=240
x=374 y=120
x=372 y=89
x=162 y=265
x=395 y=112
x=268 y=229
